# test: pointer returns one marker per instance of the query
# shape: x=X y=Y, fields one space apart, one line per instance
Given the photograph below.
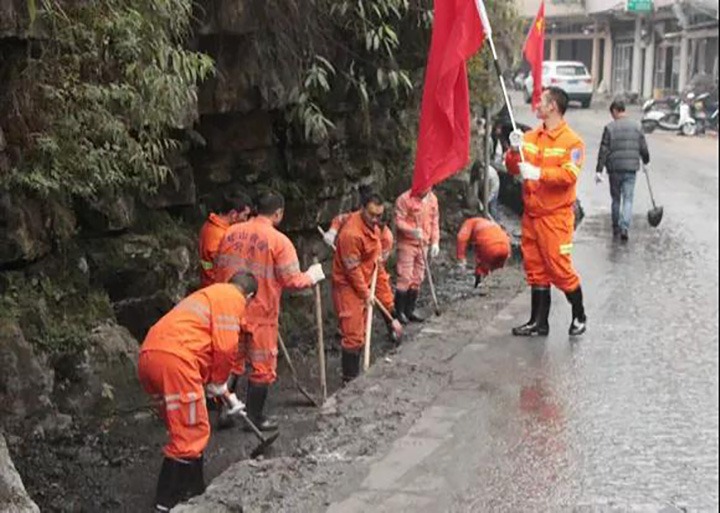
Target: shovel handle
x=368 y=322
x=430 y=280
x=320 y=339
x=647 y=178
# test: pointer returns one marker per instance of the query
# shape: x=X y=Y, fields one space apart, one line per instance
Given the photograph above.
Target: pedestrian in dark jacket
x=622 y=148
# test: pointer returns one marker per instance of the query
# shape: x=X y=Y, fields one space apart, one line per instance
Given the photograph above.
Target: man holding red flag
x=534 y=52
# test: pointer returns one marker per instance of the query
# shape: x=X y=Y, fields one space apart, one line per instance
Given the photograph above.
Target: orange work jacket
x=386 y=236
x=412 y=212
x=203 y=328
x=560 y=155
x=358 y=249
x=257 y=247
x=211 y=234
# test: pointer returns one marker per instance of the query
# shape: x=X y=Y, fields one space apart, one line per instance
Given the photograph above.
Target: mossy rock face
x=24 y=234
x=26 y=380
x=102 y=377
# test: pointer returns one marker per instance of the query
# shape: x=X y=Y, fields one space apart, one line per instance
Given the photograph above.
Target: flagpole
x=488 y=34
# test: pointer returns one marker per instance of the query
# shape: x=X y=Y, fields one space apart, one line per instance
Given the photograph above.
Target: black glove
x=478 y=280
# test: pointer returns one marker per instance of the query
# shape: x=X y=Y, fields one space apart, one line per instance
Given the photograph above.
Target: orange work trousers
x=242 y=359
x=491 y=256
x=261 y=354
x=177 y=391
x=546 y=245
x=410 y=266
x=352 y=312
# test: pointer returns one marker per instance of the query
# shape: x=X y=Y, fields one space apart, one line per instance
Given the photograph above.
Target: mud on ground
x=111 y=464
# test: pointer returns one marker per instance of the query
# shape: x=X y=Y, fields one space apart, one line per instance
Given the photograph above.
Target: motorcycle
x=704 y=110
x=676 y=116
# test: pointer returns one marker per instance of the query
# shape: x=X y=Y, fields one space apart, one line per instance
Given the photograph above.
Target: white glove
x=529 y=172
x=397 y=328
x=315 y=273
x=416 y=233
x=516 y=139
x=216 y=389
x=329 y=237
x=434 y=250
x=598 y=178
x=235 y=405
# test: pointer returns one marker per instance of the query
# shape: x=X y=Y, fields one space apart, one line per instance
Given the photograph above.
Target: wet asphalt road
x=623 y=419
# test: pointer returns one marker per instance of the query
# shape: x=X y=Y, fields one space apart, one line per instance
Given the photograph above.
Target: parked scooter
x=704 y=111
x=676 y=117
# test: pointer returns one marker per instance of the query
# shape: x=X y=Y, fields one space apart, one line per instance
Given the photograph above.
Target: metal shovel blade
x=654 y=216
x=267 y=442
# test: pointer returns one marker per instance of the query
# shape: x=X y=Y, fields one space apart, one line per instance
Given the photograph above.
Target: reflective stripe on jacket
x=257 y=247
x=205 y=328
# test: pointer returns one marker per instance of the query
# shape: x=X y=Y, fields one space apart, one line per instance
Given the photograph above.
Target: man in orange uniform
x=554 y=156
x=386 y=242
x=417 y=219
x=490 y=244
x=359 y=250
x=257 y=247
x=193 y=346
x=235 y=208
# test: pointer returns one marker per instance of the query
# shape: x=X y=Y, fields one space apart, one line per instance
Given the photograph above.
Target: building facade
x=645 y=48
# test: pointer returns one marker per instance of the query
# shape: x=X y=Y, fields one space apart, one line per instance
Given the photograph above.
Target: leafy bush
x=105 y=84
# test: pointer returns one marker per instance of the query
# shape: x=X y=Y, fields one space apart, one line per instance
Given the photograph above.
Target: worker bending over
x=188 y=352
x=489 y=242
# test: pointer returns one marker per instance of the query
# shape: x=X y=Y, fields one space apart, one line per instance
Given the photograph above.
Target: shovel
x=265 y=442
x=293 y=372
x=655 y=214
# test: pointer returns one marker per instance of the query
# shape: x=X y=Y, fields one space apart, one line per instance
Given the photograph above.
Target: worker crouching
x=489 y=242
x=189 y=352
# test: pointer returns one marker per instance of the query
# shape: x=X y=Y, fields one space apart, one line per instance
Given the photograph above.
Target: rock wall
x=13 y=497
x=80 y=286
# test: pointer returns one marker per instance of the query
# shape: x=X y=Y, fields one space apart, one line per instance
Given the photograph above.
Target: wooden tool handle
x=368 y=322
x=320 y=338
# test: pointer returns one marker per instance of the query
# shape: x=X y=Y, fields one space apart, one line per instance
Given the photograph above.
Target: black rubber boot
x=578 y=326
x=401 y=298
x=173 y=483
x=539 y=314
x=196 y=478
x=412 y=296
x=254 y=406
x=350 y=362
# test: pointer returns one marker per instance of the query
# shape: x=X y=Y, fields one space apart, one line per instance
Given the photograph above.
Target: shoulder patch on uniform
x=577 y=155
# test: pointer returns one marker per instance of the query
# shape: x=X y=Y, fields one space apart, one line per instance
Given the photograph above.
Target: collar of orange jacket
x=262 y=220
x=218 y=221
x=555 y=133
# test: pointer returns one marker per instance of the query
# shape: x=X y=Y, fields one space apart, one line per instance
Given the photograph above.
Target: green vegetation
x=507 y=32
x=365 y=34
x=104 y=85
x=56 y=314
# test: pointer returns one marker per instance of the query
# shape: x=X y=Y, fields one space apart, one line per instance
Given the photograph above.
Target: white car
x=571 y=76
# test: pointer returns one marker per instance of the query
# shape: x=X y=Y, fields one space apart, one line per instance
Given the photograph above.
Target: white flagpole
x=488 y=35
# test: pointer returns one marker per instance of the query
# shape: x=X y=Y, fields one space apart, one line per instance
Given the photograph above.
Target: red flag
x=443 y=146
x=534 y=52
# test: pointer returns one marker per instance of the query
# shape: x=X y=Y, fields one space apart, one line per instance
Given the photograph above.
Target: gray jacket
x=623 y=146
